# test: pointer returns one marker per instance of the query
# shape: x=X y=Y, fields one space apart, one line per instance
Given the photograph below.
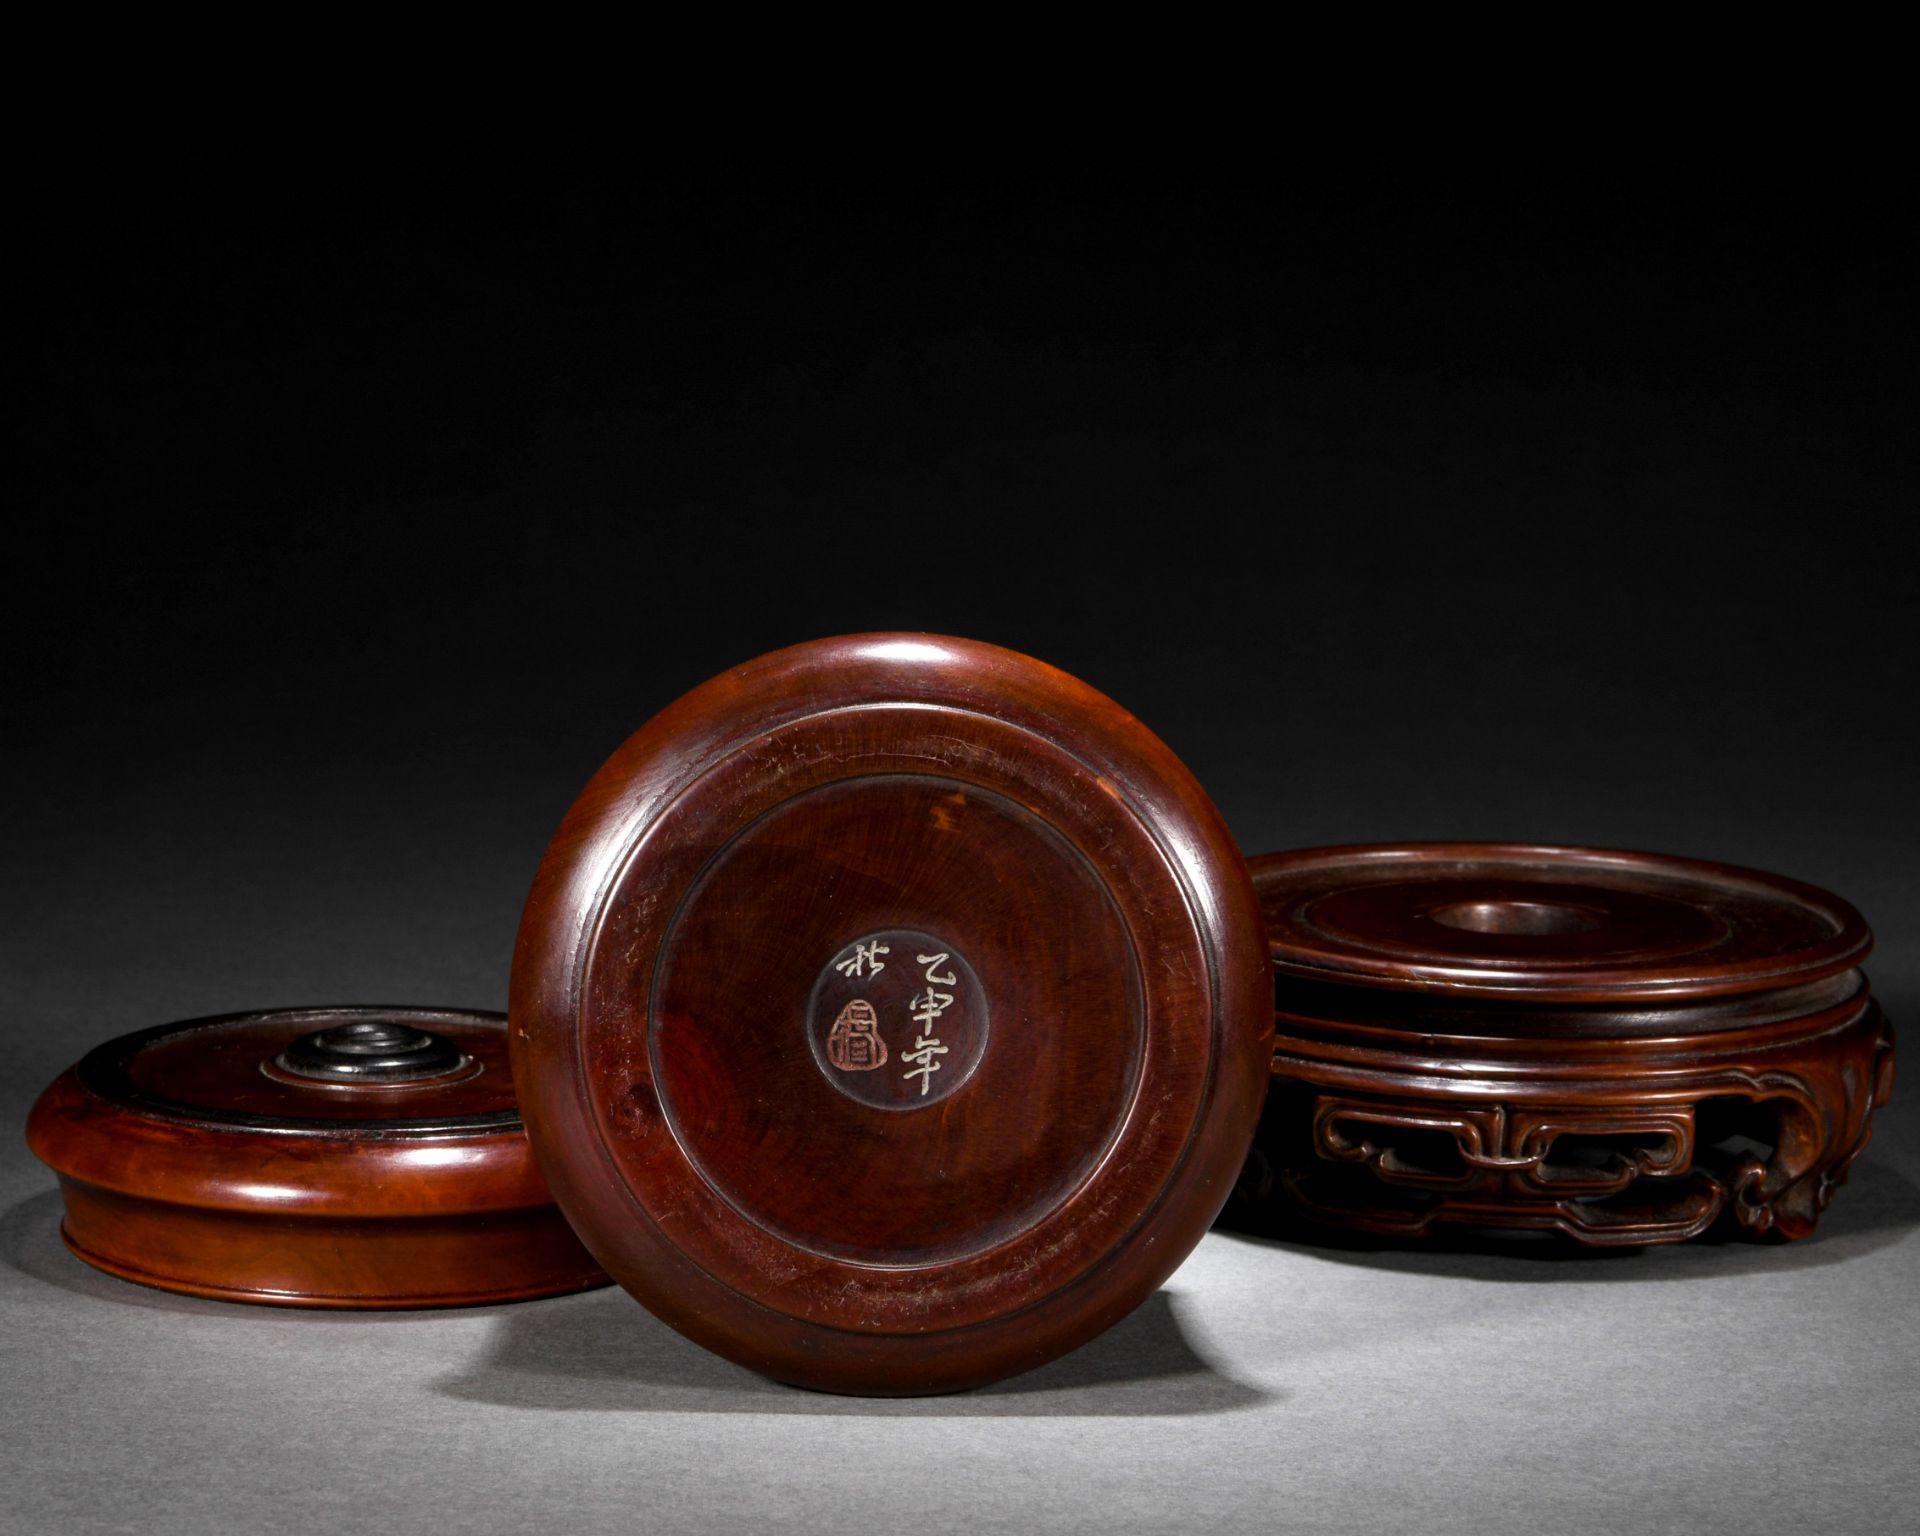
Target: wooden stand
x=891 y=1014
x=322 y=1157
x=1623 y=1048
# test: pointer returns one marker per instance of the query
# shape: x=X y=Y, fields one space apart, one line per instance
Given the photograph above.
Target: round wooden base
x=891 y=1014
x=322 y=1157
x=1620 y=1048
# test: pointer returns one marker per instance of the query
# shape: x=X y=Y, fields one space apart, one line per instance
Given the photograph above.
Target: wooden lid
x=332 y=1157
x=891 y=1014
x=1550 y=925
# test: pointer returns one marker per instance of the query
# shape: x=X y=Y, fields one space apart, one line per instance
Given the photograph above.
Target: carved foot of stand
x=1759 y=1146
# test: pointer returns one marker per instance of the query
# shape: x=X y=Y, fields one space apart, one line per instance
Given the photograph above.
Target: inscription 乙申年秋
x=925 y=1021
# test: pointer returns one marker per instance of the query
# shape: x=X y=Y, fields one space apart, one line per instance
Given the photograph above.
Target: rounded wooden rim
x=137 y=1146
x=1302 y=874
x=103 y=1070
x=552 y=1264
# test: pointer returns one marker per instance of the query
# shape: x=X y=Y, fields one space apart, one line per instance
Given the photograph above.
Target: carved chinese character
x=929 y=1005
x=925 y=1048
x=865 y=958
x=854 y=1043
x=927 y=1008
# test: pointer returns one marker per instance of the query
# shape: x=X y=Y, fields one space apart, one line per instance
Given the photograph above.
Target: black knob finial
x=370 y=1051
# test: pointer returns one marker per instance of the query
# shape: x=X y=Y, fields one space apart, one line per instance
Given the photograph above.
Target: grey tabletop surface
x=1270 y=1385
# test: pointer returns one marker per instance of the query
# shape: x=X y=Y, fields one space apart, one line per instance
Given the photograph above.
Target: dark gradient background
x=393 y=448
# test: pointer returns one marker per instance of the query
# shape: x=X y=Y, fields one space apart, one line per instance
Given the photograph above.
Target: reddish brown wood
x=1621 y=1047
x=190 y=1161
x=741 y=1114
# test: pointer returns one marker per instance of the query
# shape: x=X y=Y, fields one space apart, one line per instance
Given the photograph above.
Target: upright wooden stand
x=1623 y=1048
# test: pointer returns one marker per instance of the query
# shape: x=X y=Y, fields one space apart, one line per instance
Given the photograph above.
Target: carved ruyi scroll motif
x=1511 y=1147
x=1584 y=1158
x=1500 y=1165
x=1826 y=1122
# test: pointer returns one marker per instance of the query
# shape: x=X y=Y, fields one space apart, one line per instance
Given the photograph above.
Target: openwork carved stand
x=1619 y=1047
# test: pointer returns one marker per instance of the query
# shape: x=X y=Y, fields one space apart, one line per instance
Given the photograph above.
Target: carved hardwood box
x=1621 y=1047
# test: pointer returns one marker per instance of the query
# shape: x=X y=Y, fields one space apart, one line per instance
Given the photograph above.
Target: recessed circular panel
x=915 y=990
x=891 y=1013
x=1506 y=915
x=1567 y=924
x=849 y=1038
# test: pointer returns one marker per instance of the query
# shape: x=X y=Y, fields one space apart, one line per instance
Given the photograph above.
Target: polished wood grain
x=1037 y=927
x=188 y=1161
x=1623 y=1048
